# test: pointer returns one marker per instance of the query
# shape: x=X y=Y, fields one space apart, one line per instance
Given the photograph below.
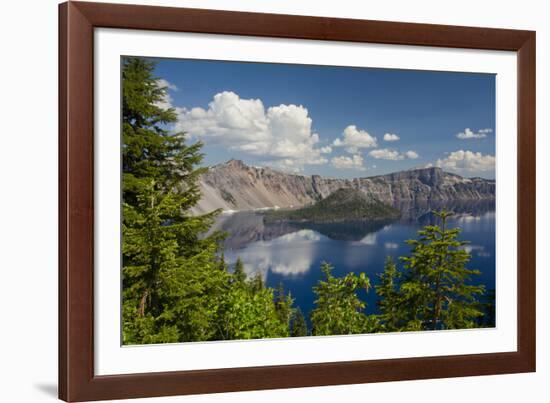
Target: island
x=344 y=204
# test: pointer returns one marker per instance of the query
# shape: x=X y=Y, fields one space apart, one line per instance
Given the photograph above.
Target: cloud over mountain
x=353 y=162
x=282 y=132
x=469 y=161
x=393 y=155
x=355 y=139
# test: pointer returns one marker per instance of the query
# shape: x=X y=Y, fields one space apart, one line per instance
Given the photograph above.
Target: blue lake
x=292 y=254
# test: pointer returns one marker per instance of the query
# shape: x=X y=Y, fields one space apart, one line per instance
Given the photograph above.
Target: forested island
x=177 y=286
x=342 y=205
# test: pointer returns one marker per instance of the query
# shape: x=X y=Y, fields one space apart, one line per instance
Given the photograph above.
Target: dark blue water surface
x=292 y=254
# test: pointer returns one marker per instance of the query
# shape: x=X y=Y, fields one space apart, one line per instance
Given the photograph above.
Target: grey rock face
x=237 y=186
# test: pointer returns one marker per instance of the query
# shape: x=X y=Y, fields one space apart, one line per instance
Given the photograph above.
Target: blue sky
x=334 y=121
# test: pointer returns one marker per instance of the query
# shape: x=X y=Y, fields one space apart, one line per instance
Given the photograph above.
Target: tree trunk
x=142 y=303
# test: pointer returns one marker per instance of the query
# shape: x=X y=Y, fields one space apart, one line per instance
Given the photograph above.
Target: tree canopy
x=433 y=290
x=339 y=308
x=175 y=286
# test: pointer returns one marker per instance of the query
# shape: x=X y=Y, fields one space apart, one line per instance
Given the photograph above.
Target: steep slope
x=237 y=186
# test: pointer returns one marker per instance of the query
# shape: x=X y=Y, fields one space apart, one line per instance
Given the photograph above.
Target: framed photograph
x=257 y=201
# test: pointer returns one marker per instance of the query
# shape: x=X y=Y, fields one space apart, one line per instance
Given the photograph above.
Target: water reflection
x=247 y=227
x=369 y=239
x=288 y=255
x=477 y=250
x=346 y=230
x=292 y=253
x=423 y=213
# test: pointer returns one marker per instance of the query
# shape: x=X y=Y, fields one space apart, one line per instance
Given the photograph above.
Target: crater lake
x=291 y=253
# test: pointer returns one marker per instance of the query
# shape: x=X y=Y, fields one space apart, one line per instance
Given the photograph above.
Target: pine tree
x=488 y=307
x=256 y=283
x=338 y=308
x=249 y=311
x=175 y=287
x=435 y=290
x=171 y=276
x=239 y=275
x=389 y=304
x=283 y=305
x=298 y=324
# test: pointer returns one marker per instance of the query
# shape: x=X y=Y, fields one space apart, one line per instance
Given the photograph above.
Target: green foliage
x=175 y=287
x=339 y=310
x=487 y=306
x=249 y=312
x=434 y=290
x=283 y=306
x=239 y=276
x=391 y=311
x=298 y=325
x=341 y=205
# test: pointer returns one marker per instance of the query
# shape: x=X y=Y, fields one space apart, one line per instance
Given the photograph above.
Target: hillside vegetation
x=342 y=205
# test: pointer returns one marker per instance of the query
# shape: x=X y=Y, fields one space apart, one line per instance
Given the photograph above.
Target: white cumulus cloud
x=462 y=160
x=412 y=155
x=282 y=134
x=353 y=162
x=355 y=139
x=470 y=134
x=161 y=82
x=392 y=155
x=391 y=137
x=386 y=154
x=167 y=101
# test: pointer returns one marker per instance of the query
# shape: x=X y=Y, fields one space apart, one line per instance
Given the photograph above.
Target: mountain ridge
x=236 y=186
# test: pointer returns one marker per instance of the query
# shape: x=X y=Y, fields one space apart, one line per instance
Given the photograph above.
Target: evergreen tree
x=239 y=276
x=487 y=306
x=435 y=290
x=339 y=310
x=283 y=305
x=256 y=283
x=171 y=276
x=249 y=311
x=298 y=324
x=389 y=304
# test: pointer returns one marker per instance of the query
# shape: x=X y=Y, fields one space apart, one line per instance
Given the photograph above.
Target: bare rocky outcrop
x=237 y=186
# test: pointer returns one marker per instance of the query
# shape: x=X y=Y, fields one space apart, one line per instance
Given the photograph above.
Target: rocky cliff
x=237 y=186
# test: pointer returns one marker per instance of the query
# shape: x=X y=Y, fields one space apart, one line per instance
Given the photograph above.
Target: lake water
x=292 y=254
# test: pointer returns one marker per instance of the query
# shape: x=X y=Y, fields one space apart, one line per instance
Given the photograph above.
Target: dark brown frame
x=77 y=21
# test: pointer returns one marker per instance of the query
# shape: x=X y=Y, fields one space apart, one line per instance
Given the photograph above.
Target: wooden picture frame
x=77 y=21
